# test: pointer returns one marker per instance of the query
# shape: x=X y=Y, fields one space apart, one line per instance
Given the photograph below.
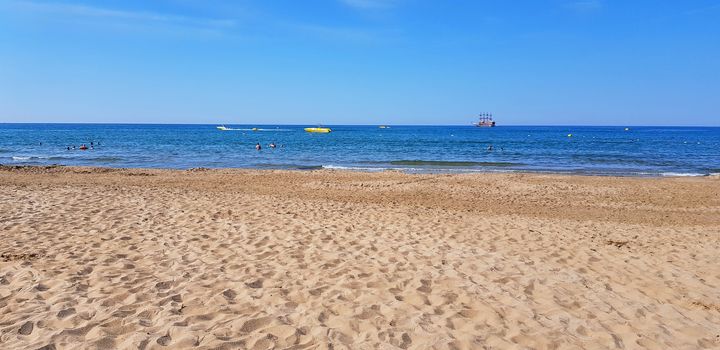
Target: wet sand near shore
x=249 y=259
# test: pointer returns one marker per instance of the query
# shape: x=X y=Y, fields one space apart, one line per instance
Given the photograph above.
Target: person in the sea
x=490 y=148
x=258 y=147
x=272 y=145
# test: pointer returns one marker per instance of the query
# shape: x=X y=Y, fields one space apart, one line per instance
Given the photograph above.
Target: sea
x=592 y=150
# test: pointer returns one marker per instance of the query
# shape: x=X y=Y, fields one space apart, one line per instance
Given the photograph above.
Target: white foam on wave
x=466 y=171
x=236 y=129
x=356 y=168
x=26 y=158
x=417 y=170
x=671 y=174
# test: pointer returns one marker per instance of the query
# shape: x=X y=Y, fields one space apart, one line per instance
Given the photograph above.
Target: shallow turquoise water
x=641 y=151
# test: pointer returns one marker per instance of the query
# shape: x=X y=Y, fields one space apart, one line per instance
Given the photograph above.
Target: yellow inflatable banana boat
x=319 y=130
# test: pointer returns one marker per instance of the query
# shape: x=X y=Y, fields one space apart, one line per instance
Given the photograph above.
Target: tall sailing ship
x=485 y=121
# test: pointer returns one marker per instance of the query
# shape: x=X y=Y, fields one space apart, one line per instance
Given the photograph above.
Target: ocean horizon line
x=378 y=124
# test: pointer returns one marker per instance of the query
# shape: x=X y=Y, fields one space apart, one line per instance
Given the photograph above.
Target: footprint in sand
x=255 y=284
x=406 y=341
x=255 y=324
x=65 y=313
x=164 y=340
x=26 y=328
x=229 y=294
x=163 y=285
x=425 y=288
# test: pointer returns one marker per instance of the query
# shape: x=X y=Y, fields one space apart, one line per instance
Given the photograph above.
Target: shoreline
x=148 y=258
x=409 y=171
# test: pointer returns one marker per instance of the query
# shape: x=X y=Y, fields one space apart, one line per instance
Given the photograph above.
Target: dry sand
x=153 y=259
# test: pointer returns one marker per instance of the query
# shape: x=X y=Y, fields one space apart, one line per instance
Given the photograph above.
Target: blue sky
x=641 y=62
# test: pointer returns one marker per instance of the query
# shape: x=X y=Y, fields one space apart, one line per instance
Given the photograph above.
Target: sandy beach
x=223 y=259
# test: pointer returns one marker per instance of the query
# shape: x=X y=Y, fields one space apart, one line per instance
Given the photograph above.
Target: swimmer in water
x=490 y=148
x=258 y=147
x=272 y=145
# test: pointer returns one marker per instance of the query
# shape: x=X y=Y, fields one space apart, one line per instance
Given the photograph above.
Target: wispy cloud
x=585 y=5
x=255 y=24
x=704 y=9
x=79 y=11
x=334 y=33
x=370 y=4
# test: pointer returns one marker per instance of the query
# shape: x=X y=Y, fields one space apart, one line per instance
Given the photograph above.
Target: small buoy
x=627 y=129
x=569 y=135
